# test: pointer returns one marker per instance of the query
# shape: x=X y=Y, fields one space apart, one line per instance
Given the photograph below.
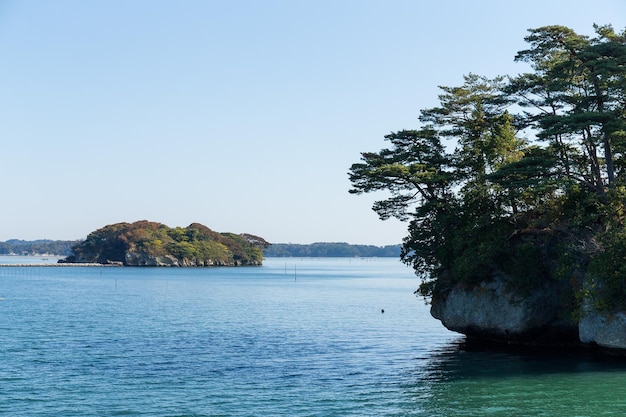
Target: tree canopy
x=520 y=175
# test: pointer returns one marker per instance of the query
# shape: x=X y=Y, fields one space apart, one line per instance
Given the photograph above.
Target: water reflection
x=463 y=379
x=462 y=359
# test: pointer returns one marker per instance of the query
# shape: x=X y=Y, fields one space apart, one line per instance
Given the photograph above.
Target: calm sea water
x=295 y=337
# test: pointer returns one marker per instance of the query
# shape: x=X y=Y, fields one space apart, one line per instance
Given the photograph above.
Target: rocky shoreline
x=48 y=265
x=489 y=313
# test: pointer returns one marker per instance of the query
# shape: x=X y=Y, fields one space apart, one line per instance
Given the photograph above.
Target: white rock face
x=141 y=259
x=606 y=330
x=489 y=311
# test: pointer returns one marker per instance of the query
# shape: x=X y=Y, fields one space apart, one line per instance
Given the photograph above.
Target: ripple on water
x=140 y=342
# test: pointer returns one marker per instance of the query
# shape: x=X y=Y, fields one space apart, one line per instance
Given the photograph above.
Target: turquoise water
x=296 y=337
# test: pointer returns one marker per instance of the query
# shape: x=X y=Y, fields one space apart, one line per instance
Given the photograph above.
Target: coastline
x=41 y=265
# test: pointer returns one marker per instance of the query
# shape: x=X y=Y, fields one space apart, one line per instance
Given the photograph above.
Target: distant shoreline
x=48 y=265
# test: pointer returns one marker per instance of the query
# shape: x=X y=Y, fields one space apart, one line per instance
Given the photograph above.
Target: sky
x=242 y=115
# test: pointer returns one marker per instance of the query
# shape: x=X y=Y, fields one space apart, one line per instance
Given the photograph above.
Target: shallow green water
x=485 y=381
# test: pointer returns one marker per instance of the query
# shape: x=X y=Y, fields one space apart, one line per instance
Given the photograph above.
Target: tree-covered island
x=146 y=243
x=514 y=190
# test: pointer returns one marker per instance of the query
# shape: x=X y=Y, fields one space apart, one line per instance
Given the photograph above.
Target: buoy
x=382 y=310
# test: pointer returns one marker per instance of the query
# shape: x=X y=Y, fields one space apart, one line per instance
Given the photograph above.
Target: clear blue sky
x=244 y=116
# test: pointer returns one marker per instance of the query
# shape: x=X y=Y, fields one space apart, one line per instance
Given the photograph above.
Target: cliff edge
x=547 y=317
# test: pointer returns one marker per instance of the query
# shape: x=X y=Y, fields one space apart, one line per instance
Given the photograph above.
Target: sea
x=294 y=337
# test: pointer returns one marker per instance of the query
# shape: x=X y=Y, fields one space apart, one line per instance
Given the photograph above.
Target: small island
x=146 y=243
x=517 y=225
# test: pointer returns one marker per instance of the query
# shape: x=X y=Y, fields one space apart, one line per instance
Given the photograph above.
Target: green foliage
x=195 y=244
x=575 y=99
x=607 y=273
x=413 y=169
x=492 y=202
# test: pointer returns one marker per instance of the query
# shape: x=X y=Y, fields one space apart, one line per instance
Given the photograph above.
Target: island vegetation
x=518 y=179
x=146 y=243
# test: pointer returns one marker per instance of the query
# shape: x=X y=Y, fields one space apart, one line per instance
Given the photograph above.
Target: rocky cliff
x=546 y=317
x=145 y=259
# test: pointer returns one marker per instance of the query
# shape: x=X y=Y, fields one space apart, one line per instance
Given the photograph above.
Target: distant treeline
x=323 y=249
x=37 y=247
x=331 y=250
